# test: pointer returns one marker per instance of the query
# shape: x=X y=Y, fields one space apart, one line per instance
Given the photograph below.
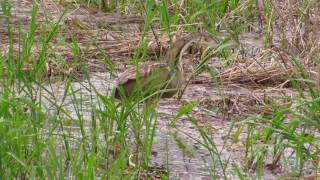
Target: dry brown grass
x=265 y=65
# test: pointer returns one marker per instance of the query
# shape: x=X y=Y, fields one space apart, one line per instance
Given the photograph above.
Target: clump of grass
x=38 y=143
x=35 y=140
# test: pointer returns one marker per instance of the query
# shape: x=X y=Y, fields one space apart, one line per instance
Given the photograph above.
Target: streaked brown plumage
x=165 y=75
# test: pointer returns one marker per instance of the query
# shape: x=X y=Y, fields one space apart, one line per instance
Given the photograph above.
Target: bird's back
x=149 y=77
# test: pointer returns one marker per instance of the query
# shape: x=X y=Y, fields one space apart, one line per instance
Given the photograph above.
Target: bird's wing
x=143 y=72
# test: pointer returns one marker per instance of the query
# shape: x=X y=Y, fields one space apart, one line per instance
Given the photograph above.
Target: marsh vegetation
x=250 y=107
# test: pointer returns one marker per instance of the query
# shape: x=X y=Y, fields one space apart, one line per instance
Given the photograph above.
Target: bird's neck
x=172 y=58
x=175 y=65
x=172 y=62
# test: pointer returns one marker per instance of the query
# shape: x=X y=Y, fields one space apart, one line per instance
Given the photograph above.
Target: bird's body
x=150 y=77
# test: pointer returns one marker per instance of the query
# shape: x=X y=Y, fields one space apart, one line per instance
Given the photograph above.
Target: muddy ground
x=241 y=93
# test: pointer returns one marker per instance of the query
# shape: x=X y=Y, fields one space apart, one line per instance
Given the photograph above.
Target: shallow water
x=194 y=162
x=222 y=105
x=166 y=153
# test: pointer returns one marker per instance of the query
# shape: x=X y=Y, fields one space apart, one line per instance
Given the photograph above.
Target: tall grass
x=39 y=136
x=44 y=134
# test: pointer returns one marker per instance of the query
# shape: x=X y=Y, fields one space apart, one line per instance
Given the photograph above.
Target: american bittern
x=166 y=75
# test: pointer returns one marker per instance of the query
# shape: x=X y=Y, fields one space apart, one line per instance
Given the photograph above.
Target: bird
x=164 y=78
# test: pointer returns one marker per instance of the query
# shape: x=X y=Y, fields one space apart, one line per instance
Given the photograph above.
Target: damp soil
x=118 y=35
x=192 y=161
